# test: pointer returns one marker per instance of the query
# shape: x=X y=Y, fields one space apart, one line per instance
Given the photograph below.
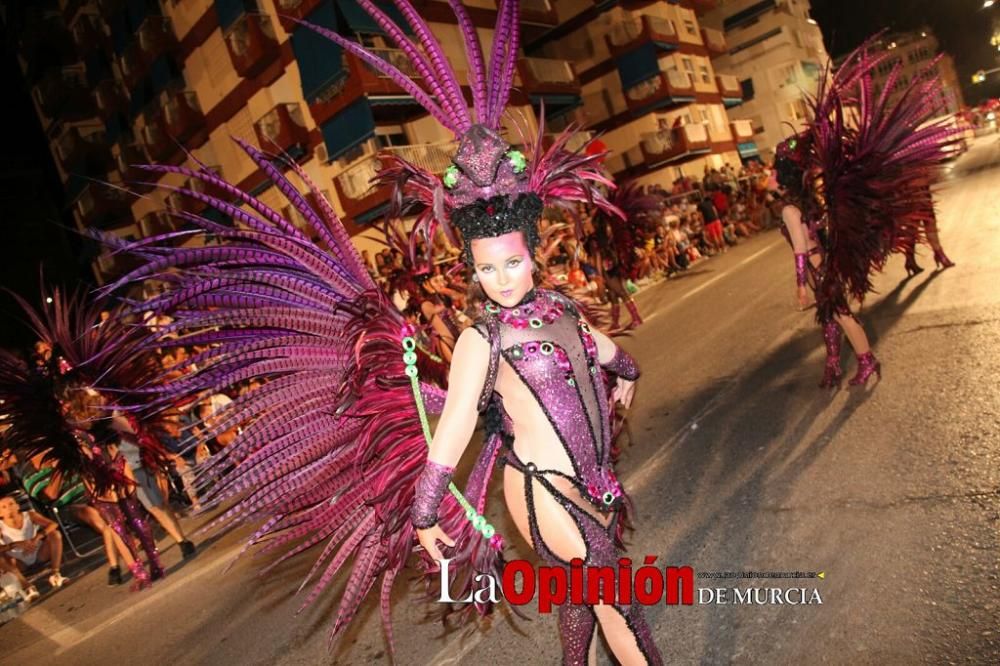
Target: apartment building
x=915 y=51
x=650 y=85
x=776 y=51
x=125 y=82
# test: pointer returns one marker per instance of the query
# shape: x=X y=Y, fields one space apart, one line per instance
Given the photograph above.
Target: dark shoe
x=912 y=267
x=156 y=573
x=187 y=549
x=114 y=576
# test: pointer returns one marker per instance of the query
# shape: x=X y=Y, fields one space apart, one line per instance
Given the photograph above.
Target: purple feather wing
x=331 y=443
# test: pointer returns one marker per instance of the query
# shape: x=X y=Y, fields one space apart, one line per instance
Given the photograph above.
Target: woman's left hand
x=623 y=392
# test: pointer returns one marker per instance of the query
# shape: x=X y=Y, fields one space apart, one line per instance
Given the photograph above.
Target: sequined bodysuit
x=551 y=350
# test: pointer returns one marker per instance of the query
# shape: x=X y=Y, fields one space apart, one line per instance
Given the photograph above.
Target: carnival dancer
x=855 y=193
x=338 y=442
x=930 y=229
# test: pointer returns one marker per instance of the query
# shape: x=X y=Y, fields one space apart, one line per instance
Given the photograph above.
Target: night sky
x=962 y=27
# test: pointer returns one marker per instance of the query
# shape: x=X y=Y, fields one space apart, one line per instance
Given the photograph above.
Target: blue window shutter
x=348 y=128
x=358 y=20
x=638 y=65
x=320 y=60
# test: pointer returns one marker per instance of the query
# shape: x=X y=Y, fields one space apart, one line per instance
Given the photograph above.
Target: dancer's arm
x=619 y=361
x=792 y=217
x=469 y=366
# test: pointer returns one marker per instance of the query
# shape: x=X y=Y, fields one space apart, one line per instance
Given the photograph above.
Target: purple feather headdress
x=490 y=189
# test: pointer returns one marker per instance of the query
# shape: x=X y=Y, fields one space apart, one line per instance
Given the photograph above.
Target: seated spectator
x=27 y=538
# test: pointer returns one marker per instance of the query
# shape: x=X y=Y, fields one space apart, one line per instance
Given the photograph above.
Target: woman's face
x=504 y=267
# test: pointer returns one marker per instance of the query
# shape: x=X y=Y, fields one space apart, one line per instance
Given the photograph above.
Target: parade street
x=735 y=461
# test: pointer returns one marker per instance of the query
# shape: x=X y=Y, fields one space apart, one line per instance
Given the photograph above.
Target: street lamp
x=987 y=4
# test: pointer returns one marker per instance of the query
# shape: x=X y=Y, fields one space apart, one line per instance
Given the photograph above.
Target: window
x=747 y=86
x=689 y=27
x=688 y=65
x=390 y=135
x=797 y=109
x=706 y=76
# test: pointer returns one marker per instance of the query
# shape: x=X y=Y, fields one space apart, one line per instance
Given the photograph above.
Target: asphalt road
x=737 y=462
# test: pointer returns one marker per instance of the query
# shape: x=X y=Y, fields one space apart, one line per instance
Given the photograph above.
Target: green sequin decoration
x=517 y=160
x=450 y=178
x=478 y=521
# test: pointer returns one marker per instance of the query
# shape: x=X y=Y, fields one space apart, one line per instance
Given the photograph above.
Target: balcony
x=353 y=185
x=132 y=65
x=362 y=79
x=678 y=144
x=103 y=206
x=730 y=89
x=111 y=266
x=182 y=115
x=110 y=97
x=83 y=154
x=158 y=223
x=62 y=94
x=88 y=33
x=131 y=155
x=189 y=204
x=715 y=41
x=539 y=12
x=155 y=37
x=159 y=145
x=540 y=76
x=294 y=8
x=639 y=30
x=742 y=130
x=252 y=44
x=664 y=90
x=283 y=128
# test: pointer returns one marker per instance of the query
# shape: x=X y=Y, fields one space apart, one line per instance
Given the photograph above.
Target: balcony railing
x=159 y=145
x=640 y=30
x=354 y=187
x=132 y=65
x=548 y=75
x=660 y=90
x=63 y=93
x=395 y=57
x=131 y=155
x=284 y=128
x=110 y=97
x=715 y=41
x=675 y=144
x=252 y=44
x=101 y=205
x=88 y=32
x=79 y=153
x=742 y=130
x=182 y=114
x=155 y=37
x=729 y=88
x=538 y=12
x=157 y=223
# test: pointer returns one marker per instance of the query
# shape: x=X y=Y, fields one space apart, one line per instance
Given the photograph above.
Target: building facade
x=776 y=51
x=914 y=52
x=650 y=85
x=118 y=83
